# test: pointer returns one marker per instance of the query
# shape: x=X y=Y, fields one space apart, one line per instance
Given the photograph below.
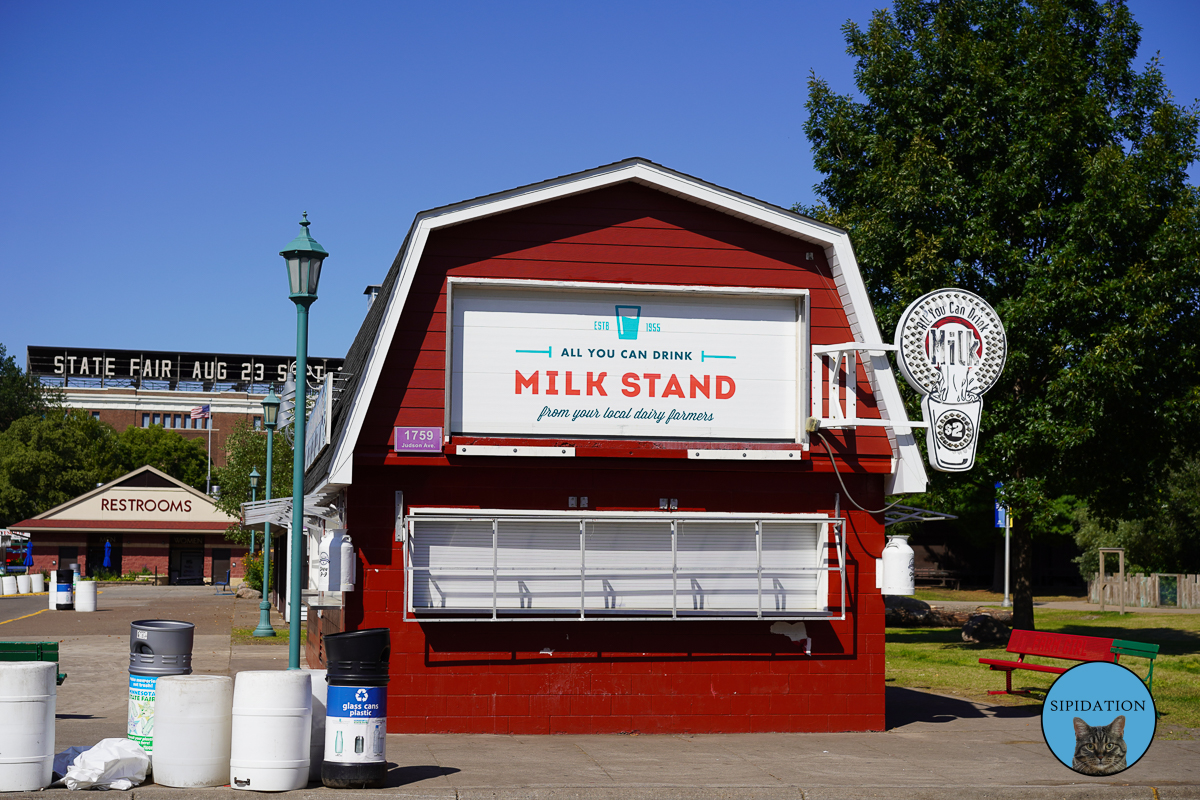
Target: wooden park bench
x=1122 y=647
x=31 y=651
x=1068 y=647
x=944 y=577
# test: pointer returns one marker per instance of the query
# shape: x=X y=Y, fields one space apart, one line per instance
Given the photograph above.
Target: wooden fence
x=1148 y=591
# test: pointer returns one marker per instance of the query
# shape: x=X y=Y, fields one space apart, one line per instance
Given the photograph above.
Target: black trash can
x=63 y=585
x=157 y=647
x=356 y=709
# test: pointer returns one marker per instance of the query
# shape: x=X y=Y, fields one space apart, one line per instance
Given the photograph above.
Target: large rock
x=247 y=593
x=985 y=629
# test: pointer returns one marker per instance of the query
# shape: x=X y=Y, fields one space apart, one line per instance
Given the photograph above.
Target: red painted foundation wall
x=607 y=676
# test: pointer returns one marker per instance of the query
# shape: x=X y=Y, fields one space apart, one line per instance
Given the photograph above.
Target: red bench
x=1049 y=645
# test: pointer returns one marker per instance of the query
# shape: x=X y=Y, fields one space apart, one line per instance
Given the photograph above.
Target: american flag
x=201 y=412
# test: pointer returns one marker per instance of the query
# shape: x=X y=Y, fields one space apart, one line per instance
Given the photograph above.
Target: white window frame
x=829 y=531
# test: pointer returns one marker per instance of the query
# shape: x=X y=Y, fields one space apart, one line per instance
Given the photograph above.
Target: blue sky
x=156 y=156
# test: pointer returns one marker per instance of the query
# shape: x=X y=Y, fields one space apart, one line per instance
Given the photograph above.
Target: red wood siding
x=625 y=234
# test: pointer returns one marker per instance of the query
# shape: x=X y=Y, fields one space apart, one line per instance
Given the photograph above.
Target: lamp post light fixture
x=254 y=476
x=270 y=420
x=304 y=258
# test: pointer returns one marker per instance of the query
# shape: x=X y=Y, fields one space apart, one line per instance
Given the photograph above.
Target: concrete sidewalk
x=934 y=746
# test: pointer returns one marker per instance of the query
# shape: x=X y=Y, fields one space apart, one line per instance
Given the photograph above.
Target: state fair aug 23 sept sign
x=600 y=364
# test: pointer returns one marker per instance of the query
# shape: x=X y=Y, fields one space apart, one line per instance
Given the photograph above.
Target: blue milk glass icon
x=627 y=321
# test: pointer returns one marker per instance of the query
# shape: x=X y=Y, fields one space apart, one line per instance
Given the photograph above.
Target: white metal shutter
x=452 y=564
x=718 y=567
x=786 y=548
x=537 y=564
x=556 y=566
x=628 y=566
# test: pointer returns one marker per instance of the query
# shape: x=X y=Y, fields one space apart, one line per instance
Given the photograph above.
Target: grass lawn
x=246 y=636
x=932 y=594
x=938 y=660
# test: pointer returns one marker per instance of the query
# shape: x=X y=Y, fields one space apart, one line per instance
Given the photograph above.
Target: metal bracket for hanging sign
x=835 y=367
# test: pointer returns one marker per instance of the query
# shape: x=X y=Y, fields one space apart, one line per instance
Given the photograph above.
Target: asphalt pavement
x=934 y=746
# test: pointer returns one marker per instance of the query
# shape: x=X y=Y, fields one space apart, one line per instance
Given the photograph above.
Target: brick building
x=125 y=388
x=143 y=521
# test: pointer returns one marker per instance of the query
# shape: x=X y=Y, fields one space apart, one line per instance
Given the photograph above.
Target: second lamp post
x=270 y=420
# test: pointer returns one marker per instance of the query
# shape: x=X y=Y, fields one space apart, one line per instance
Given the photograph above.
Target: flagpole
x=208 y=478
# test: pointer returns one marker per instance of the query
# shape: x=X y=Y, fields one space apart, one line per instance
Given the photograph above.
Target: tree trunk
x=1022 y=576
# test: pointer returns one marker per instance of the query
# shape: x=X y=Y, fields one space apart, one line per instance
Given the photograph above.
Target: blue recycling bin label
x=355 y=724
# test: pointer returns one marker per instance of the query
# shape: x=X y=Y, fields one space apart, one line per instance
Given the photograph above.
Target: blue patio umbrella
x=107 y=554
x=29 y=554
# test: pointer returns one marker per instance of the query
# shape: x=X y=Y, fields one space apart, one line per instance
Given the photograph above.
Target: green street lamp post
x=254 y=476
x=304 y=257
x=270 y=420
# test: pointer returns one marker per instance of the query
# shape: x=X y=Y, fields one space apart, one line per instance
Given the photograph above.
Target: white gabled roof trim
x=909 y=475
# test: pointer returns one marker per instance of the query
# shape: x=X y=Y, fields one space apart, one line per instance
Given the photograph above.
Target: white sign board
x=603 y=363
x=317 y=428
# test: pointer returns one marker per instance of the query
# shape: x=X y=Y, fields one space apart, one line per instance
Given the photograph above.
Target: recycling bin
x=62 y=588
x=356 y=665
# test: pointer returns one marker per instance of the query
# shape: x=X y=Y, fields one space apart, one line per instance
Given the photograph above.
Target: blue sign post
x=1004 y=520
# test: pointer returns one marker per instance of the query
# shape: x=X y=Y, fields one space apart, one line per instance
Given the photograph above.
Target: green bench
x=1122 y=647
x=31 y=651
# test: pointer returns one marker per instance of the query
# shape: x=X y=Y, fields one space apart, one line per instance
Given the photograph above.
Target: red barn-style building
x=573 y=455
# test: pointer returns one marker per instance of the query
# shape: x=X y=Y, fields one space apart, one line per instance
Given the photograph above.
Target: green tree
x=1168 y=540
x=46 y=462
x=181 y=458
x=22 y=394
x=246 y=450
x=1009 y=147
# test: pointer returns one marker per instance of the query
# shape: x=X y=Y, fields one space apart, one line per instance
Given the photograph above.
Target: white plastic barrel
x=22 y=584
x=193 y=721
x=27 y=697
x=37 y=583
x=898 y=557
x=8 y=584
x=272 y=729
x=316 y=750
x=85 y=596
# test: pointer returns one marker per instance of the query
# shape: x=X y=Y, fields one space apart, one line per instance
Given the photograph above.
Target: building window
x=157 y=419
x=145 y=420
x=178 y=421
x=258 y=423
x=494 y=565
x=96 y=416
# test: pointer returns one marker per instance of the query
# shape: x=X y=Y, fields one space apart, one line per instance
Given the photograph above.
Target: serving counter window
x=471 y=564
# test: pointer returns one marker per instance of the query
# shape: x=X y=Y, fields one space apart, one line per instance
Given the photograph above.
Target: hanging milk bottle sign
x=355 y=724
x=951 y=348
